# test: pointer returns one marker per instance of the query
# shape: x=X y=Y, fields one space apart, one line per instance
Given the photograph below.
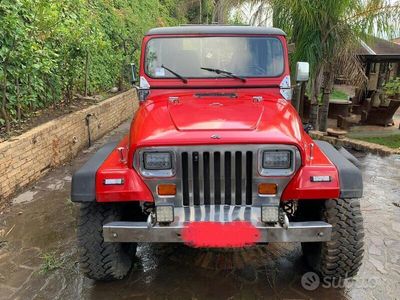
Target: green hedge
x=52 y=49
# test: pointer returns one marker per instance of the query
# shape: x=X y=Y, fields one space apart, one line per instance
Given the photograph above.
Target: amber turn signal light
x=267 y=189
x=166 y=190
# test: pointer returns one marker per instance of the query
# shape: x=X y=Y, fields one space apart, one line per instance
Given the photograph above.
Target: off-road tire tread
x=100 y=260
x=342 y=256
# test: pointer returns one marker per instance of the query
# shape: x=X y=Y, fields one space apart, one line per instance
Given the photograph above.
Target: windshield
x=193 y=57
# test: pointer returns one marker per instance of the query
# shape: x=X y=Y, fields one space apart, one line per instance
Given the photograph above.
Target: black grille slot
x=228 y=181
x=185 y=179
x=206 y=177
x=238 y=178
x=249 y=177
x=217 y=177
x=196 y=183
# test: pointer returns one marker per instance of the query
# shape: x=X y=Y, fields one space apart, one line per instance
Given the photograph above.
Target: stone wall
x=29 y=156
x=354 y=144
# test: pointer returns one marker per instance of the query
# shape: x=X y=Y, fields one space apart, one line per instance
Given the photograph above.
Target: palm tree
x=222 y=9
x=326 y=33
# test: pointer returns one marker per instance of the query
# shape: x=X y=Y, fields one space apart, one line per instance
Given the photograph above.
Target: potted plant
x=392 y=88
x=383 y=114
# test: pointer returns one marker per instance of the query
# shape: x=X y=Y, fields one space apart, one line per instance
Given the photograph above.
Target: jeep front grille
x=217 y=177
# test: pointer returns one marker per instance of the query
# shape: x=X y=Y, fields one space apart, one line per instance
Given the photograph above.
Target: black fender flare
x=350 y=177
x=83 y=185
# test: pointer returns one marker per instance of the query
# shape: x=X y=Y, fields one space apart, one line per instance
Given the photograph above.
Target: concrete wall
x=29 y=156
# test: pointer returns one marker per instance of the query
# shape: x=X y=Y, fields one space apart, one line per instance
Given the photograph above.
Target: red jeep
x=217 y=156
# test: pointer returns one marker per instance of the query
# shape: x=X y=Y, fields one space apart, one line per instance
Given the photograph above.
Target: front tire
x=342 y=256
x=101 y=260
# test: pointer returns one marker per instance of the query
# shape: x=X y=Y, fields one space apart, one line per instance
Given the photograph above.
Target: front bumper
x=313 y=231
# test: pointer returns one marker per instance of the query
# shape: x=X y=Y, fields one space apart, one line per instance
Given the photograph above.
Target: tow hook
x=284 y=220
x=151 y=220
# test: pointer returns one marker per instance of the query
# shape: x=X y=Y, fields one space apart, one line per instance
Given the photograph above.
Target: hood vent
x=226 y=95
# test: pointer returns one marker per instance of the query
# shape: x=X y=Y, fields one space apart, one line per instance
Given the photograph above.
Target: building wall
x=29 y=156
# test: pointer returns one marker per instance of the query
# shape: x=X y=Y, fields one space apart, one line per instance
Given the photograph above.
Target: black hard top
x=215 y=29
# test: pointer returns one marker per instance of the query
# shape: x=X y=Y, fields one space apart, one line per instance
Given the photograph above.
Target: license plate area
x=220 y=235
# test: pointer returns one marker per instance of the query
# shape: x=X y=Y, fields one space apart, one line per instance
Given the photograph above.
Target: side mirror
x=302 y=71
x=308 y=127
x=143 y=88
x=133 y=68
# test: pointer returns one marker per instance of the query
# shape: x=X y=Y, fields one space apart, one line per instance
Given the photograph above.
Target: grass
x=391 y=141
x=339 y=95
x=71 y=206
x=50 y=263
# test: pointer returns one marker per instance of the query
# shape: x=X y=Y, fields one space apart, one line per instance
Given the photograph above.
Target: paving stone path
x=38 y=258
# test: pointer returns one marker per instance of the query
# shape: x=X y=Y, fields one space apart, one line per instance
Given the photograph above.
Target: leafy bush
x=51 y=49
x=392 y=87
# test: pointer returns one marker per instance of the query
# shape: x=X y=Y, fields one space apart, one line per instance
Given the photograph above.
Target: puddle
x=68 y=178
x=24 y=197
x=56 y=185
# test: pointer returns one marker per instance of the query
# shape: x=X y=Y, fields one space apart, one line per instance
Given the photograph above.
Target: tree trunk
x=315 y=87
x=200 y=12
x=314 y=103
x=379 y=86
x=124 y=63
x=301 y=103
x=29 y=91
x=314 y=115
x=70 y=90
x=276 y=20
x=326 y=92
x=18 y=99
x=4 y=101
x=87 y=74
x=296 y=97
x=219 y=11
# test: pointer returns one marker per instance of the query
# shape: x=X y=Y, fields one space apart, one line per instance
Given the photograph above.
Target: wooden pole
x=201 y=12
x=301 y=102
x=296 y=98
x=87 y=74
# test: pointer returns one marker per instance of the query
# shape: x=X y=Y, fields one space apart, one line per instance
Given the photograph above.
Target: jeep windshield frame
x=247 y=56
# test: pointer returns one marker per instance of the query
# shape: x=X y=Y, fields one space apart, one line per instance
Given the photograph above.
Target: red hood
x=193 y=120
x=215 y=113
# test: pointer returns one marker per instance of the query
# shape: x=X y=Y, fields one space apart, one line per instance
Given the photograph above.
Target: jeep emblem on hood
x=215 y=137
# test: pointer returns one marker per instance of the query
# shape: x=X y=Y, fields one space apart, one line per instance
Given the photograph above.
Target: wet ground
x=38 y=258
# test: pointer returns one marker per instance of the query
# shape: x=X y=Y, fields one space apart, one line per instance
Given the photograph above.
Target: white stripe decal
x=203 y=213
x=212 y=213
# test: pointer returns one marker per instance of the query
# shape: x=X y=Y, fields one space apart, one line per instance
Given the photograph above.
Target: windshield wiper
x=184 y=80
x=229 y=74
